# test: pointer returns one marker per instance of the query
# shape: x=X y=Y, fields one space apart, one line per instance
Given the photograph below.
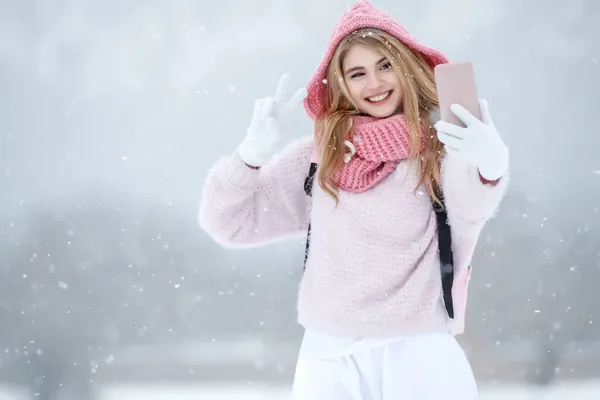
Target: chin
x=381 y=112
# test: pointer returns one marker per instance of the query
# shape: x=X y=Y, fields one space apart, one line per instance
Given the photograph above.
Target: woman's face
x=372 y=82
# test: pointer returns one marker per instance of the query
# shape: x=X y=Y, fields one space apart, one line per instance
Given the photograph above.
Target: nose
x=374 y=81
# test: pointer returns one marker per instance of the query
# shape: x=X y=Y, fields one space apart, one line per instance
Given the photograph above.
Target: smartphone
x=455 y=83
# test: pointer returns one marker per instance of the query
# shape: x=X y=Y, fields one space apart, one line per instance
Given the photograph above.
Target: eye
x=356 y=75
x=386 y=66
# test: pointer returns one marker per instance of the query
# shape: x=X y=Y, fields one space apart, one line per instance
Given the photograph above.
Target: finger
x=297 y=98
x=485 y=112
x=266 y=107
x=464 y=115
x=293 y=102
x=451 y=129
x=450 y=140
x=281 y=92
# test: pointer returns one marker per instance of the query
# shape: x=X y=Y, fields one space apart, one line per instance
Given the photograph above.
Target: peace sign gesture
x=283 y=108
x=271 y=116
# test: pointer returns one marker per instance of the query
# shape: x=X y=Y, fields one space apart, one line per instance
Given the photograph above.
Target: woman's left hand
x=478 y=143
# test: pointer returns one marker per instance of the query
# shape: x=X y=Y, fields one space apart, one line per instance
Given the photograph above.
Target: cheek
x=355 y=90
x=393 y=80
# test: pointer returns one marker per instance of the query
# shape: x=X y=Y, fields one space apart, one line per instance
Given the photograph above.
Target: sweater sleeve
x=470 y=204
x=467 y=198
x=241 y=206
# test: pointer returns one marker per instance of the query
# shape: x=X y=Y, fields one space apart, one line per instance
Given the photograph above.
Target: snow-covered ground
x=570 y=391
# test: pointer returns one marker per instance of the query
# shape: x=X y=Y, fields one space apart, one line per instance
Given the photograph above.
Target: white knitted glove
x=479 y=143
x=270 y=118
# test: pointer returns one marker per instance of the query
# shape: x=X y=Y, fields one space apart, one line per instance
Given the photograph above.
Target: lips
x=380 y=97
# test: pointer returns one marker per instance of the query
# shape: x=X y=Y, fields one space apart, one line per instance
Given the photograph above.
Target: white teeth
x=380 y=97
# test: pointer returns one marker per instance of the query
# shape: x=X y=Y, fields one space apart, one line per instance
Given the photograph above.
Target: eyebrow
x=359 y=67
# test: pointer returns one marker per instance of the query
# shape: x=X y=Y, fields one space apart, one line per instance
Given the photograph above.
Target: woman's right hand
x=271 y=116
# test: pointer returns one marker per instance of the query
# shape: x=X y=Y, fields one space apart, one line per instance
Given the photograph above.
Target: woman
x=371 y=299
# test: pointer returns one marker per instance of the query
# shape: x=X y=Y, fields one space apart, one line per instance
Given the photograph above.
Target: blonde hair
x=419 y=100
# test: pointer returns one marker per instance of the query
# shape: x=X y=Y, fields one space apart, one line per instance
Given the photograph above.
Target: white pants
x=422 y=367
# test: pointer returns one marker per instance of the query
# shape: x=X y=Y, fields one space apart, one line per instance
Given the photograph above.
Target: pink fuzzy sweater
x=373 y=268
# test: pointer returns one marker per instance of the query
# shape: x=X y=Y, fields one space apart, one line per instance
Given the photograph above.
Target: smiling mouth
x=379 y=98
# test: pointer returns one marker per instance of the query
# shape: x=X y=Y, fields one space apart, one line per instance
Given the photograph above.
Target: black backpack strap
x=308 y=181
x=308 y=185
x=445 y=249
x=444 y=242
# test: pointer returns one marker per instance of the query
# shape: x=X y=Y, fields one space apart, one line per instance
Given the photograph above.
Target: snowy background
x=111 y=112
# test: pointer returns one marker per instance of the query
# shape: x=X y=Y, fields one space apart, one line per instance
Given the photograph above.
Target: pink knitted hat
x=361 y=14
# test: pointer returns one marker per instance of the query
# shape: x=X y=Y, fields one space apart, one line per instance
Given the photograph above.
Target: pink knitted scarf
x=380 y=146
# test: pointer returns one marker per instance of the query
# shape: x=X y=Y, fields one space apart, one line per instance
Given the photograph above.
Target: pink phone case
x=455 y=83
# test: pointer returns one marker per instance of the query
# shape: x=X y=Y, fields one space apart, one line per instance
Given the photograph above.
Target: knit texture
x=361 y=14
x=380 y=145
x=373 y=268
